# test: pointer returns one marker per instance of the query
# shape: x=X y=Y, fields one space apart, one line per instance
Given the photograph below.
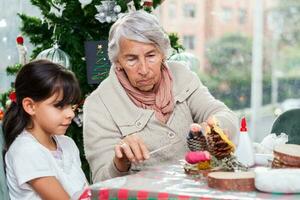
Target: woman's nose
x=143 y=69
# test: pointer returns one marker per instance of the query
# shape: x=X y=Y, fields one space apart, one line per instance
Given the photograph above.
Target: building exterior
x=199 y=21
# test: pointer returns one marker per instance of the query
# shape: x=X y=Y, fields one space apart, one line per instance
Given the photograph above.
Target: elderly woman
x=146 y=103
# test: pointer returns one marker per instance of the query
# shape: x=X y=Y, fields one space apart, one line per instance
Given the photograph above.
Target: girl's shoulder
x=23 y=142
x=66 y=142
x=25 y=149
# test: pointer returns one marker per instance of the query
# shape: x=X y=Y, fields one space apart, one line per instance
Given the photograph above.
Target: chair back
x=289 y=123
x=3 y=186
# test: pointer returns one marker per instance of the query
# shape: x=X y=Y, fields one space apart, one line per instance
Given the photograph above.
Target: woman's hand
x=131 y=149
x=211 y=121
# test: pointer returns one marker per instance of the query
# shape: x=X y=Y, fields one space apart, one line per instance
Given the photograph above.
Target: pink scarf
x=160 y=99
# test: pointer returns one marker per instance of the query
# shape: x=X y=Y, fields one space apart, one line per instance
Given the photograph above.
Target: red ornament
x=1 y=114
x=20 y=40
x=13 y=96
x=148 y=3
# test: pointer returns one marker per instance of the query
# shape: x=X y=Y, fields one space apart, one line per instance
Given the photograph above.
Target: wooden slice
x=278 y=164
x=239 y=181
x=203 y=172
x=197 y=172
x=288 y=154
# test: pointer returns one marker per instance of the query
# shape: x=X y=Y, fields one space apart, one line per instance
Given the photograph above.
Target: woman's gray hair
x=139 y=26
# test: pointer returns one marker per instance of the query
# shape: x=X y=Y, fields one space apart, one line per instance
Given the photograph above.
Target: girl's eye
x=62 y=107
x=59 y=106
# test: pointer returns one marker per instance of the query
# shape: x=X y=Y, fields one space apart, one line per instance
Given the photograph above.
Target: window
x=3 y=23
x=189 y=10
x=172 y=10
x=226 y=14
x=9 y=30
x=189 y=42
x=242 y=16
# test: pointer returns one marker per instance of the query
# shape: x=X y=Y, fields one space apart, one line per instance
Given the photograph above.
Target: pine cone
x=218 y=146
x=197 y=143
x=196 y=140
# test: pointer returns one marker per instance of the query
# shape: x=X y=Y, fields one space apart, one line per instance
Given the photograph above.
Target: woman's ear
x=28 y=105
x=118 y=66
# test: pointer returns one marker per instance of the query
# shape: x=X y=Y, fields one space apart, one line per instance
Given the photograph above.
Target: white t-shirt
x=27 y=159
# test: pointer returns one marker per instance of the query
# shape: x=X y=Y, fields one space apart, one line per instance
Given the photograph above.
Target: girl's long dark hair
x=38 y=80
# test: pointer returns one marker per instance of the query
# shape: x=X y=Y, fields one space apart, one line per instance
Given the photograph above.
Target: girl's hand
x=131 y=149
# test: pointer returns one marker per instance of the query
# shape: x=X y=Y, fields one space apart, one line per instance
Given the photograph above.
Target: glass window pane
x=234 y=41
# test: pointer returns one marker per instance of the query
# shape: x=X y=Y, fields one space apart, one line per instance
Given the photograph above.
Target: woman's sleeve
x=100 y=135
x=203 y=105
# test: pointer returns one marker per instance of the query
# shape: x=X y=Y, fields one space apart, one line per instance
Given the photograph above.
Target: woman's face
x=141 y=62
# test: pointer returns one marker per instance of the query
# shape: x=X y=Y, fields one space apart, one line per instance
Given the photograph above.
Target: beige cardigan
x=109 y=115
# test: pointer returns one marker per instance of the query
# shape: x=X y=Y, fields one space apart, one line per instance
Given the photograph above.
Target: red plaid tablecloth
x=170 y=182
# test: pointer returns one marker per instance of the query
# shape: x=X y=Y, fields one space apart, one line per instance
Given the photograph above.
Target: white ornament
x=117 y=9
x=100 y=18
x=108 y=11
x=22 y=53
x=7 y=103
x=142 y=2
x=102 y=14
x=108 y=19
x=85 y=2
x=114 y=18
x=56 y=55
x=99 y=8
x=106 y=5
x=57 y=9
x=120 y=15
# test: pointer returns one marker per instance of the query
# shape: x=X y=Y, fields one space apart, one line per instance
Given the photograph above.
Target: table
x=170 y=182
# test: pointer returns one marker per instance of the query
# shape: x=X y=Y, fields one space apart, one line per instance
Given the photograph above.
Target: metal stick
x=164 y=147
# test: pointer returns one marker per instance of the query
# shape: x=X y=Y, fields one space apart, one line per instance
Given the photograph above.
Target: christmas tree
x=71 y=23
x=102 y=66
x=12 y=70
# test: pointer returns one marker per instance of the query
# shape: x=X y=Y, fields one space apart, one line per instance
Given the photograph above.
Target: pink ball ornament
x=194 y=157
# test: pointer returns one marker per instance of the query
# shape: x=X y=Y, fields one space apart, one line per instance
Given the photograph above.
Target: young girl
x=42 y=163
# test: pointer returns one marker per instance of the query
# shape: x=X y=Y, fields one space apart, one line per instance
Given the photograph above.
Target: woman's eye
x=151 y=57
x=131 y=61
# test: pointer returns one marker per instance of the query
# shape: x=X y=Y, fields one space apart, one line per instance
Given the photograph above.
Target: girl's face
x=50 y=119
